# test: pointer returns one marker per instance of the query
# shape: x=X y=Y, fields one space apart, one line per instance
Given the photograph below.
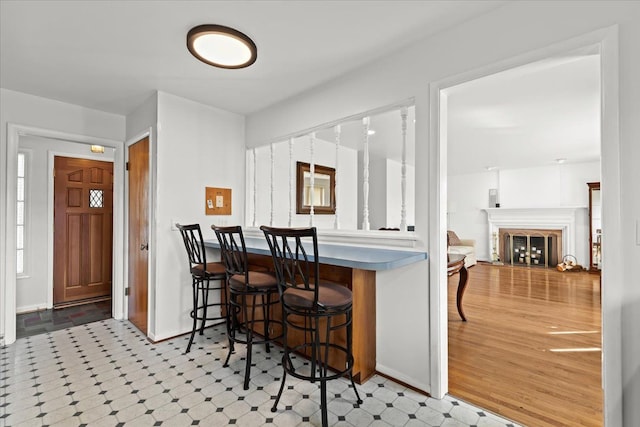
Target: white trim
x=8 y=285
x=31 y=308
x=399 y=376
x=612 y=284
x=562 y=218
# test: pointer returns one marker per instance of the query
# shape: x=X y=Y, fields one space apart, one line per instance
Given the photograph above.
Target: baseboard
x=402 y=379
x=31 y=308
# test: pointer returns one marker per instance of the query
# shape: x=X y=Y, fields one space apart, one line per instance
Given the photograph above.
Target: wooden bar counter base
x=354 y=267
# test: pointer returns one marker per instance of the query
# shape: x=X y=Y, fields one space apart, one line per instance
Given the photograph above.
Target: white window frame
x=26 y=154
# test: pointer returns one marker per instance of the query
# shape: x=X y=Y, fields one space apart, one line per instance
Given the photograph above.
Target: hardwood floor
x=531 y=347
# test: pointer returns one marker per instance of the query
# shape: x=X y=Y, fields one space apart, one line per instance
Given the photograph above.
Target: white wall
x=284 y=197
x=32 y=289
x=197 y=147
x=549 y=186
x=28 y=110
x=400 y=294
x=514 y=29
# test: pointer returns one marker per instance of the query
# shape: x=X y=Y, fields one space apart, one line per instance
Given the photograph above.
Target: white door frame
x=606 y=41
x=8 y=283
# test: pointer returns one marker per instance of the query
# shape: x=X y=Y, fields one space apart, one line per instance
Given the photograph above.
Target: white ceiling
x=526 y=117
x=112 y=55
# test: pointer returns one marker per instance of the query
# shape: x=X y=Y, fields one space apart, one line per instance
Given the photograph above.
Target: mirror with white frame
x=372 y=158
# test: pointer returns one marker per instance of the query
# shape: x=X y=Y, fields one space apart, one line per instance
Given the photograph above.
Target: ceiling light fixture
x=221 y=46
x=371 y=132
x=560 y=161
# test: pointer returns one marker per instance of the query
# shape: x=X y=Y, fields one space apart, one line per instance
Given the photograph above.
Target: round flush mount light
x=221 y=46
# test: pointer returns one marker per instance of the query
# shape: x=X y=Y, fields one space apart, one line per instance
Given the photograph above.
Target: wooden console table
x=455 y=264
x=355 y=267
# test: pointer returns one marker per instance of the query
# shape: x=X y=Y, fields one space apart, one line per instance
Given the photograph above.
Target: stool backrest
x=295 y=258
x=194 y=244
x=232 y=248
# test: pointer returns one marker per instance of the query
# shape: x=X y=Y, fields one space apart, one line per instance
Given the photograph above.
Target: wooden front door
x=83 y=237
x=138 y=168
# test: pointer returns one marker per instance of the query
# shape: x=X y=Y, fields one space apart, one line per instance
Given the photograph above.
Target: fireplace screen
x=530 y=247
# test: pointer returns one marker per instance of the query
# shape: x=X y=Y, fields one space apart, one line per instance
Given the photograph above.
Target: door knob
x=144 y=246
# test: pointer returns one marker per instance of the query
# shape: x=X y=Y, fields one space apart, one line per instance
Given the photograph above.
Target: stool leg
x=266 y=308
x=274 y=408
x=205 y=303
x=194 y=313
x=315 y=345
x=249 y=322
x=231 y=327
x=323 y=402
x=285 y=358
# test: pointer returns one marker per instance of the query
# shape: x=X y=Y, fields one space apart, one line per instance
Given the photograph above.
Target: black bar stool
x=252 y=296
x=314 y=308
x=202 y=274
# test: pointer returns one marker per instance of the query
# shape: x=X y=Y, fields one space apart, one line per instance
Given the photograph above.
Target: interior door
x=83 y=237
x=138 y=179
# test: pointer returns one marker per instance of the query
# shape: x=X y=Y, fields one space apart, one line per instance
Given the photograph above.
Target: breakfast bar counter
x=355 y=267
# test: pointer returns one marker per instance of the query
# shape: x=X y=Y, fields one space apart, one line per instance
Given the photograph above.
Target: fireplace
x=530 y=247
x=558 y=225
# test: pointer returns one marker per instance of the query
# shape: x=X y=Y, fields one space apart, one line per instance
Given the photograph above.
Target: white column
x=255 y=184
x=312 y=164
x=291 y=183
x=403 y=180
x=365 y=175
x=272 y=182
x=336 y=132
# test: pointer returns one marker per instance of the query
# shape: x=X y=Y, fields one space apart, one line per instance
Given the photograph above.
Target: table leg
x=462 y=286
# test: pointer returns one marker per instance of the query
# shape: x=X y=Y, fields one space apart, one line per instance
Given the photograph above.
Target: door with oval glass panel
x=83 y=224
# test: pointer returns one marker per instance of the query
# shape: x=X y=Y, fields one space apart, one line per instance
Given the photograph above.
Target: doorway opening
x=64 y=249
x=40 y=266
x=502 y=134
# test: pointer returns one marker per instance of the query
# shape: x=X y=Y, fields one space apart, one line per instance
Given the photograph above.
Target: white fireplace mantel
x=560 y=218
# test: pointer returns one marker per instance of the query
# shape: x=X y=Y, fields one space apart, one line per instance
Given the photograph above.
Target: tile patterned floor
x=43 y=321
x=107 y=374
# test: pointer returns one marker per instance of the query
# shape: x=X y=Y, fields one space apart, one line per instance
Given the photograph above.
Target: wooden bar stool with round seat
x=253 y=295
x=203 y=273
x=317 y=310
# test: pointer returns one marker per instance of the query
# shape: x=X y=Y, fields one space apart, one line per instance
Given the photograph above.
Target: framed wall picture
x=321 y=195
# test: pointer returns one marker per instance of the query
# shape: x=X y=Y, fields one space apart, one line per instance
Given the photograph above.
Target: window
x=20 y=214
x=96 y=198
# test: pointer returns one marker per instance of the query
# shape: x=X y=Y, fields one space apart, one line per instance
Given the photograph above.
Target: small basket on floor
x=569 y=263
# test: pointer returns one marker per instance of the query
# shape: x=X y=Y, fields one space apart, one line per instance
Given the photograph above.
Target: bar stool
x=202 y=274
x=314 y=308
x=252 y=296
